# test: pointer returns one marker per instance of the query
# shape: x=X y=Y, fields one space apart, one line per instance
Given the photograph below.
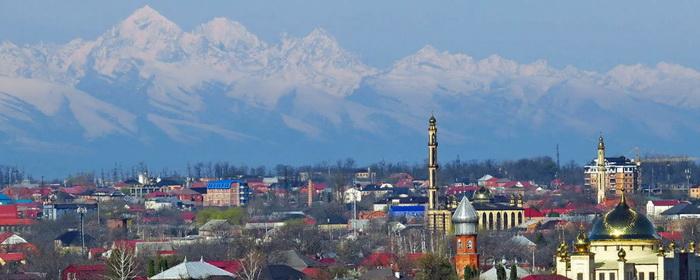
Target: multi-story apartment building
x=611 y=174
x=226 y=193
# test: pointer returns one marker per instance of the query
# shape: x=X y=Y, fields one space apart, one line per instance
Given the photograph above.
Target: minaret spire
x=432 y=163
x=601 y=176
x=437 y=218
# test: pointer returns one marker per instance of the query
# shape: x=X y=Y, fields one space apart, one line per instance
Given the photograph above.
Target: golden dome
x=582 y=243
x=482 y=195
x=623 y=223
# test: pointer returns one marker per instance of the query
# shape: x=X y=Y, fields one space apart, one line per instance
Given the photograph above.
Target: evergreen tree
x=470 y=272
x=500 y=272
x=513 y=272
x=151 y=269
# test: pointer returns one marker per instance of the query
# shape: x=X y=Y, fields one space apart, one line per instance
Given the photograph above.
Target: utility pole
x=82 y=210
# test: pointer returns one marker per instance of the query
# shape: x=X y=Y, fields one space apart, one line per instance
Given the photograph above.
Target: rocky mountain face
x=146 y=90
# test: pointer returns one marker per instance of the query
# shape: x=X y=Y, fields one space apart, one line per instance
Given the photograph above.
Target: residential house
x=193 y=270
x=218 y=228
x=84 y=272
x=656 y=207
x=55 y=211
x=685 y=210
x=352 y=194
x=11 y=220
x=71 y=241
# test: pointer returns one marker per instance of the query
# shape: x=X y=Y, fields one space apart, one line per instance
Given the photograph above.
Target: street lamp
x=82 y=210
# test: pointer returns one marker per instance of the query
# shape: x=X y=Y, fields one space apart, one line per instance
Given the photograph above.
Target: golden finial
x=621 y=255
x=672 y=247
x=661 y=251
x=691 y=247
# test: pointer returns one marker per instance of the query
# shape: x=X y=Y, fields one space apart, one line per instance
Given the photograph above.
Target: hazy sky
x=588 y=34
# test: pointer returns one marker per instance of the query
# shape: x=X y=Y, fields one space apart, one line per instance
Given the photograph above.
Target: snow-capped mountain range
x=146 y=90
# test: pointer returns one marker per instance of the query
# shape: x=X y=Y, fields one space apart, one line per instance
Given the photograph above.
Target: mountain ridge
x=146 y=81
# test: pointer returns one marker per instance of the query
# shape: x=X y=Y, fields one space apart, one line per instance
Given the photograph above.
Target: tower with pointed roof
x=464 y=221
x=601 y=174
x=437 y=217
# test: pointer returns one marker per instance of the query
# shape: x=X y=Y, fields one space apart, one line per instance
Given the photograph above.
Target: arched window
x=490 y=220
x=505 y=220
x=483 y=221
x=469 y=244
x=520 y=217
x=512 y=219
x=459 y=243
x=498 y=220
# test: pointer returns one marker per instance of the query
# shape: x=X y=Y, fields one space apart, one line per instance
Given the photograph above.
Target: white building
x=352 y=194
x=656 y=207
x=623 y=245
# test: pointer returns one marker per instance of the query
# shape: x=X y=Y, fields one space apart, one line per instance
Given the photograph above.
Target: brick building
x=226 y=193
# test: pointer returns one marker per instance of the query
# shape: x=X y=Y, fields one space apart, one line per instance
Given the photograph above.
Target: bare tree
x=251 y=265
x=121 y=265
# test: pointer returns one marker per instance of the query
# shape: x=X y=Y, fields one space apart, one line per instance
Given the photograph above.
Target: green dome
x=623 y=223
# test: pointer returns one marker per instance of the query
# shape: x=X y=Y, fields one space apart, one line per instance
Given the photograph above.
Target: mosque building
x=497 y=215
x=623 y=245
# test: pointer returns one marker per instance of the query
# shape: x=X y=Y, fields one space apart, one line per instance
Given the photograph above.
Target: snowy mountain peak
x=146 y=23
x=228 y=34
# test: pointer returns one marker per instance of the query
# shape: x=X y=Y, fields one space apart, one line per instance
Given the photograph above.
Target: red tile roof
x=533 y=213
x=667 y=202
x=233 y=266
x=15 y=222
x=672 y=235
x=12 y=257
x=376 y=259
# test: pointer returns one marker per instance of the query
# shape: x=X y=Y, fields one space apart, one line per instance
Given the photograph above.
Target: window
x=579 y=276
x=612 y=275
x=469 y=244
x=605 y=248
x=459 y=243
x=652 y=276
x=601 y=276
x=630 y=248
x=641 y=276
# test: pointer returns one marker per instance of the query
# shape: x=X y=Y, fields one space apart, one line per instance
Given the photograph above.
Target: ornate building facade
x=605 y=175
x=497 y=215
x=437 y=217
x=624 y=245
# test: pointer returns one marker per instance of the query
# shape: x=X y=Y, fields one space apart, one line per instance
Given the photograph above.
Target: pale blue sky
x=589 y=34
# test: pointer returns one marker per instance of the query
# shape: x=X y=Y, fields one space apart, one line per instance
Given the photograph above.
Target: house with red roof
x=532 y=213
x=84 y=272
x=656 y=207
x=675 y=236
x=7 y=258
x=96 y=253
x=233 y=266
x=379 y=260
x=10 y=219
